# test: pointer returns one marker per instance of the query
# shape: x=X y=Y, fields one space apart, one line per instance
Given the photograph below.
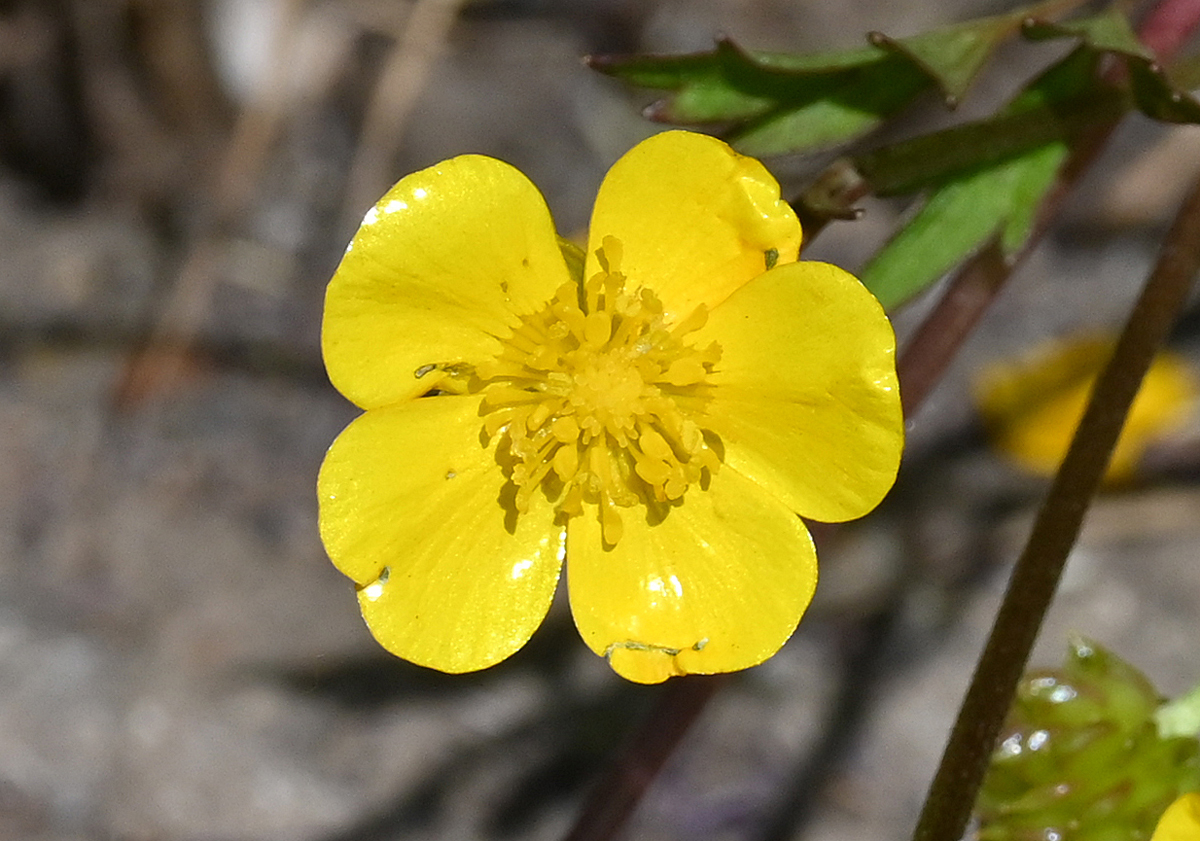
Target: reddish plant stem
x=1168 y=26
x=925 y=359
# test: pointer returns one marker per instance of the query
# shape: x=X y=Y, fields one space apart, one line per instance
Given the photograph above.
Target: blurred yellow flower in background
x=1032 y=405
x=655 y=412
x=1181 y=821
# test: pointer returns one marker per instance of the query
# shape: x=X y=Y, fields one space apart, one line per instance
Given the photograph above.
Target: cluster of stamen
x=596 y=397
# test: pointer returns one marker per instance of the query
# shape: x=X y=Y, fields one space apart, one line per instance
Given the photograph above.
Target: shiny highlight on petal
x=713 y=584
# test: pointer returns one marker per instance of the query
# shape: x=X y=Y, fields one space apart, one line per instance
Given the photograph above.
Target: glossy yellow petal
x=1033 y=405
x=1181 y=821
x=409 y=509
x=716 y=586
x=442 y=264
x=695 y=219
x=806 y=401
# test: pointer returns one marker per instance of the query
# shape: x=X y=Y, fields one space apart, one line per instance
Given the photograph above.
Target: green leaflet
x=958 y=219
x=775 y=103
x=998 y=198
x=985 y=180
x=952 y=56
x=1109 y=31
x=989 y=178
x=849 y=106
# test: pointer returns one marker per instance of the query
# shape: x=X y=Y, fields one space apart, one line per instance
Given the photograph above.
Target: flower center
x=598 y=399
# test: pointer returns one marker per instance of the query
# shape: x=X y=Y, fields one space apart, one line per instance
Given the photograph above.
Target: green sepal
x=574 y=257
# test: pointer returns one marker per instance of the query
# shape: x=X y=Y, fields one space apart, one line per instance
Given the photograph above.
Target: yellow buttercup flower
x=655 y=413
x=1181 y=821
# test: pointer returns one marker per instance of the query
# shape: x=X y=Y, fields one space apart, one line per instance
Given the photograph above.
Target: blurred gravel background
x=178 y=659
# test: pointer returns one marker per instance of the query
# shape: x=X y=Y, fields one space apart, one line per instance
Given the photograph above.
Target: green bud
x=1081 y=757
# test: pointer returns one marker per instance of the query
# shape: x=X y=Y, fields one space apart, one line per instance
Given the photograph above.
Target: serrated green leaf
x=709 y=101
x=776 y=102
x=954 y=55
x=1028 y=185
x=997 y=198
x=958 y=219
x=816 y=63
x=952 y=223
x=1110 y=31
x=849 y=106
x=1158 y=98
x=1064 y=101
x=936 y=158
x=729 y=83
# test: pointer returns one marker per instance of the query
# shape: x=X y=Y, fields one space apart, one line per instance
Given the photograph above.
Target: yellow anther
x=597 y=329
x=653 y=471
x=566 y=462
x=609 y=254
x=685 y=371
x=691 y=436
x=565 y=428
x=654 y=445
x=538 y=416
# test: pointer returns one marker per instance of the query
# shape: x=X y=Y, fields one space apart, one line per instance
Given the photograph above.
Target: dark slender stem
x=1036 y=575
